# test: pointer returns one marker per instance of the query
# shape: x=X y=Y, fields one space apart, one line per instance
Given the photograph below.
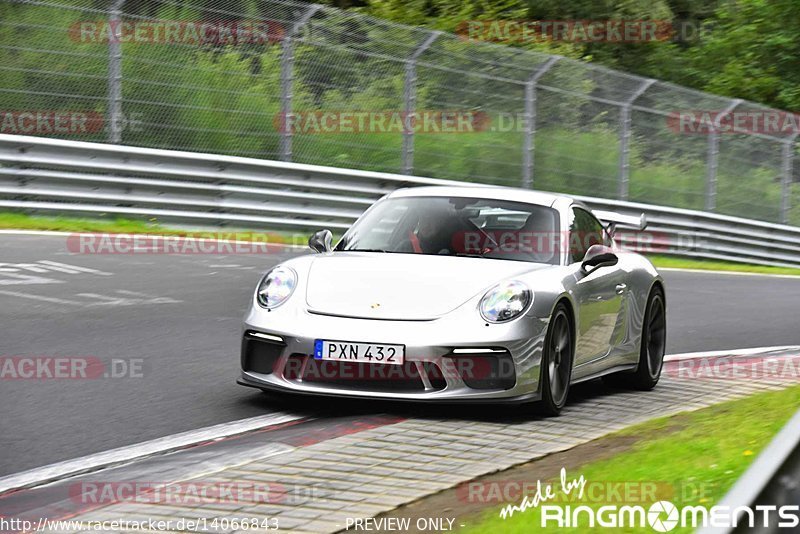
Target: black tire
x=651 y=353
x=556 y=368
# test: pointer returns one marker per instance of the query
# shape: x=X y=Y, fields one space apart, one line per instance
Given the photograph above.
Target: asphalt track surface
x=177 y=317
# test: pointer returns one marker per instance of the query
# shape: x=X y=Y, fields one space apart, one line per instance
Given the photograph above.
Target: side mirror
x=598 y=256
x=321 y=241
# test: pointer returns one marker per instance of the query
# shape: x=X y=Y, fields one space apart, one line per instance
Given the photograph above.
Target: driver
x=430 y=235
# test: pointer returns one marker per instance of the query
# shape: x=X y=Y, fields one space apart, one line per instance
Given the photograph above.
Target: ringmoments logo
x=664 y=516
x=660 y=516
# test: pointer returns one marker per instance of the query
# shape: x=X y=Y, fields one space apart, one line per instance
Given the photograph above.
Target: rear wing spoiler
x=613 y=219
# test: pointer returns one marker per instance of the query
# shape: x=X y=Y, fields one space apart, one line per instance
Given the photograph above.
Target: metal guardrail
x=772 y=480
x=69 y=177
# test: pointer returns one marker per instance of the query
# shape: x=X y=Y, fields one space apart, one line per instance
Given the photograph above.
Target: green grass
x=20 y=221
x=691 y=263
x=696 y=456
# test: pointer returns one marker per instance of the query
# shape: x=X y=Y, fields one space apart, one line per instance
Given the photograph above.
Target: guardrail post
x=787 y=172
x=625 y=138
x=287 y=80
x=410 y=102
x=712 y=158
x=530 y=121
x=114 y=115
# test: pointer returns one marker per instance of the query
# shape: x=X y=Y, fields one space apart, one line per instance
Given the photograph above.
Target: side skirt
x=610 y=370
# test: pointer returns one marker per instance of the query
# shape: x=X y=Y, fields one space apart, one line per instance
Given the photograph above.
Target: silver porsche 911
x=460 y=294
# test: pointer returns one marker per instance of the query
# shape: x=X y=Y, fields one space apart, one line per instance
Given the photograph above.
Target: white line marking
x=123 y=455
x=34 y=268
x=94 y=299
x=74 y=267
x=39 y=297
x=732 y=273
x=70 y=270
x=35 y=232
x=133 y=293
x=11 y=279
x=732 y=352
x=105 y=300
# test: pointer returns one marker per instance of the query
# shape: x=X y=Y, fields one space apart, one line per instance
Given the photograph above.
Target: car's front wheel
x=556 y=369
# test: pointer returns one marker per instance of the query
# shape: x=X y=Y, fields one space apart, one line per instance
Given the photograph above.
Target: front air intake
x=260 y=352
x=484 y=368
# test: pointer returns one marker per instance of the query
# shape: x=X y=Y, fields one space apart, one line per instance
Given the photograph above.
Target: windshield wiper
x=481 y=254
x=367 y=250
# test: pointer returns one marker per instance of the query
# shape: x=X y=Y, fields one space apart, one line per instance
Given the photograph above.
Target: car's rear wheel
x=654 y=342
x=556 y=368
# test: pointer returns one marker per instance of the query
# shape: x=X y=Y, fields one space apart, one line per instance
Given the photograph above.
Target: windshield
x=457 y=226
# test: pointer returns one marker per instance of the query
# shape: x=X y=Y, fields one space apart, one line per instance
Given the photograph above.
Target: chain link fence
x=260 y=78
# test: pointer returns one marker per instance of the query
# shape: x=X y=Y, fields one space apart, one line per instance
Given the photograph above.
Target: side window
x=584 y=231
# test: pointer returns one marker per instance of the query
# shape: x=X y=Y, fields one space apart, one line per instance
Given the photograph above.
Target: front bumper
x=247 y=380
x=277 y=349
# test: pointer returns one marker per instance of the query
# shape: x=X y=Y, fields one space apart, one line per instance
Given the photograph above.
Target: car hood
x=401 y=286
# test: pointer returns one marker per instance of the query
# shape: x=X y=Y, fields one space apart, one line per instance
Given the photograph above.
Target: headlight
x=276 y=287
x=505 y=302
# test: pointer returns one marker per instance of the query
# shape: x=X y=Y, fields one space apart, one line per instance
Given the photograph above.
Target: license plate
x=359 y=352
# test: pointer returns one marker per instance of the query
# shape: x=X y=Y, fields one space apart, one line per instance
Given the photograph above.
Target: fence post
x=114 y=129
x=530 y=121
x=287 y=80
x=787 y=172
x=625 y=138
x=712 y=159
x=410 y=102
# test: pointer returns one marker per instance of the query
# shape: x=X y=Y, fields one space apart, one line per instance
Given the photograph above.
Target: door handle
x=621 y=288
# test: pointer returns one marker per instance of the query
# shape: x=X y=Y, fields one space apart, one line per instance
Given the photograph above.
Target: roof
x=479 y=191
